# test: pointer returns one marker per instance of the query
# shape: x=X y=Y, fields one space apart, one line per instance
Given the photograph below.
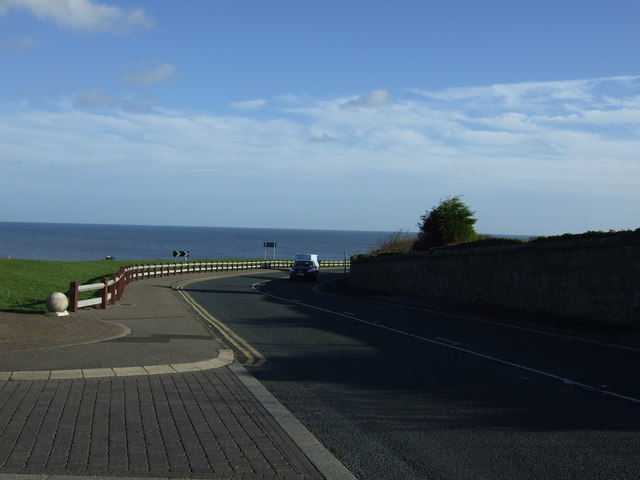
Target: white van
x=305 y=267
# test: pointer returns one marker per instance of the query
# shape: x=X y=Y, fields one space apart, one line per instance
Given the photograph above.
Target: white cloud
x=95 y=97
x=534 y=97
x=374 y=98
x=324 y=138
x=98 y=99
x=82 y=14
x=249 y=104
x=158 y=74
x=514 y=94
x=423 y=132
x=532 y=148
x=18 y=45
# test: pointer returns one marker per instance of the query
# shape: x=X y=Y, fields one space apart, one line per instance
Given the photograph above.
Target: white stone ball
x=57 y=302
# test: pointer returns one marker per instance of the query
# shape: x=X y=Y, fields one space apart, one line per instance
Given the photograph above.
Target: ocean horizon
x=80 y=242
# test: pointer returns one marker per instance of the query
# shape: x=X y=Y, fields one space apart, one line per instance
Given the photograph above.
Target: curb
x=328 y=465
x=224 y=358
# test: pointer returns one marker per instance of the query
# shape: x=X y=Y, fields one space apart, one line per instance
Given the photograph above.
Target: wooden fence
x=112 y=288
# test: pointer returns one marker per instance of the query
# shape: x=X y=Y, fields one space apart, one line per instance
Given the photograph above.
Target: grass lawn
x=26 y=284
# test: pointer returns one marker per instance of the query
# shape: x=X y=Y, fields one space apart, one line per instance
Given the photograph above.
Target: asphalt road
x=404 y=393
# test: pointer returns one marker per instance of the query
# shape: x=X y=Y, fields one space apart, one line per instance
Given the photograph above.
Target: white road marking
x=451 y=342
x=446 y=344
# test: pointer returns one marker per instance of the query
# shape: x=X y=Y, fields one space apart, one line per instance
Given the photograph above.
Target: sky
x=348 y=115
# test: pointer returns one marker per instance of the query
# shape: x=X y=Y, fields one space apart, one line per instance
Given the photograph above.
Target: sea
x=80 y=242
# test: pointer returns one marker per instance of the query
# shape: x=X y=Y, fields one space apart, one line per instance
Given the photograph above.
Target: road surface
x=406 y=393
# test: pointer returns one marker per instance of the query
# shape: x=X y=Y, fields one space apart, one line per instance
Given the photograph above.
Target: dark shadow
x=375 y=375
x=225 y=292
x=27 y=308
x=159 y=338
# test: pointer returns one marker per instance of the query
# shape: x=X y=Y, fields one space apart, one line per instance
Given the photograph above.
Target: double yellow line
x=253 y=357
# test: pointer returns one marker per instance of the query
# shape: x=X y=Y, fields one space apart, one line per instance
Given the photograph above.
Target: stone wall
x=595 y=280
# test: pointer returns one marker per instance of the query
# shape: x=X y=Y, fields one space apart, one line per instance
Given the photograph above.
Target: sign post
x=345 y=265
x=269 y=245
x=180 y=253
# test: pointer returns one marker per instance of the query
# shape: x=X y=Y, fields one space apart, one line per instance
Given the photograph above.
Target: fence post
x=120 y=285
x=105 y=293
x=73 y=294
x=114 y=290
x=125 y=281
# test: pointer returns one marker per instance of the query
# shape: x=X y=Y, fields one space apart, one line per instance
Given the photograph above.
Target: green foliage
x=590 y=235
x=489 y=242
x=398 y=242
x=25 y=284
x=449 y=223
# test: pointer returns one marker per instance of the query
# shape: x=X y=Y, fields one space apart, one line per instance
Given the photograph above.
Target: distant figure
x=109 y=257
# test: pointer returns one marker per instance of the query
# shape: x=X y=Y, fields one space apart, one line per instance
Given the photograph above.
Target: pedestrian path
x=202 y=424
x=164 y=400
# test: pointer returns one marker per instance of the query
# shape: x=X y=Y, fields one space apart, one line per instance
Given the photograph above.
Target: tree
x=449 y=223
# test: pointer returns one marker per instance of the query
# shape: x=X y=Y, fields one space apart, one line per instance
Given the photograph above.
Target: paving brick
x=31 y=375
x=65 y=374
x=158 y=369
x=97 y=372
x=200 y=424
x=129 y=371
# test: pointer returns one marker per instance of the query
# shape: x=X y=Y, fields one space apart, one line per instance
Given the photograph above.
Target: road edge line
x=253 y=356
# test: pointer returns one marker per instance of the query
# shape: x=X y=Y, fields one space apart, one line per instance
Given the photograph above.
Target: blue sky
x=353 y=115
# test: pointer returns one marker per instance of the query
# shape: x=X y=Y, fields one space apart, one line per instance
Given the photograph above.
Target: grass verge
x=26 y=284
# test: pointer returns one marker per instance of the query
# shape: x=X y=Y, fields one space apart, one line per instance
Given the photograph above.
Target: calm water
x=74 y=242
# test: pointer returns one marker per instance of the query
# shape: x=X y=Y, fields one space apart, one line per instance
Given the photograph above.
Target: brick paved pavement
x=207 y=421
x=200 y=424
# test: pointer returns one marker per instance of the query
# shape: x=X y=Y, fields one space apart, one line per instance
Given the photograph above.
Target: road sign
x=181 y=253
x=269 y=245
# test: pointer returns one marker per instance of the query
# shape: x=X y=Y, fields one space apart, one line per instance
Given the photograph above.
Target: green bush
x=449 y=223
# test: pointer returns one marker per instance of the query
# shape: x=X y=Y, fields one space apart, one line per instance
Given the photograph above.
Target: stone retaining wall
x=597 y=280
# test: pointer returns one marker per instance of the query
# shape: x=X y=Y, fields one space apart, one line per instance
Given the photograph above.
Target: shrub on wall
x=488 y=242
x=398 y=242
x=449 y=223
x=590 y=235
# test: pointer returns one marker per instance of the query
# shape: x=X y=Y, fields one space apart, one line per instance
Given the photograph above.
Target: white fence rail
x=110 y=289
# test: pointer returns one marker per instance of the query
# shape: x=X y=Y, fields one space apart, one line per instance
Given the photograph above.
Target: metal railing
x=112 y=288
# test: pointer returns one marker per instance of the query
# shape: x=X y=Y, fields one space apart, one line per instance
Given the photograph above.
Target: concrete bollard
x=57 y=304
